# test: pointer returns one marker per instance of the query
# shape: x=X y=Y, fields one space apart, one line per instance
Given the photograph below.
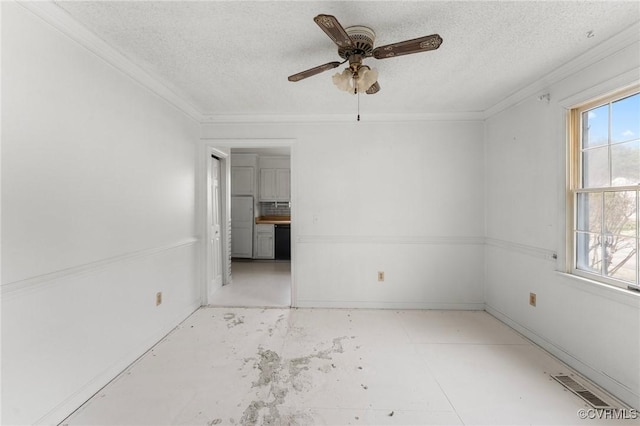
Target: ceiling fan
x=354 y=45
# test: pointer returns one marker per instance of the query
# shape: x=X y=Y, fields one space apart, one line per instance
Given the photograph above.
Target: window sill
x=617 y=294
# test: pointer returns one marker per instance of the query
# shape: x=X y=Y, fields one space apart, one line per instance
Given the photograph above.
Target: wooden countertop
x=276 y=220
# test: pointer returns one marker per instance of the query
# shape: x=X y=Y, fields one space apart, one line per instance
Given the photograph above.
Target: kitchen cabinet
x=242 y=180
x=265 y=241
x=275 y=184
x=244 y=176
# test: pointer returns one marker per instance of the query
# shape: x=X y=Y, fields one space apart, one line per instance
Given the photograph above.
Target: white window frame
x=575 y=164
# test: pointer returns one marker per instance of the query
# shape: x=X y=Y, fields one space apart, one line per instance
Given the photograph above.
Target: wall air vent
x=575 y=387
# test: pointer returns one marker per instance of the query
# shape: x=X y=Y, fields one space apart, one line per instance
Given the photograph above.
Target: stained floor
x=249 y=366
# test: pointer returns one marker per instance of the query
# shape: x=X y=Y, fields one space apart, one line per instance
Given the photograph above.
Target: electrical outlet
x=380 y=275
x=532 y=299
x=158 y=298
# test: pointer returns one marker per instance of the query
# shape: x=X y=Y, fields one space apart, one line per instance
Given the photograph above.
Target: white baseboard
x=609 y=385
x=471 y=306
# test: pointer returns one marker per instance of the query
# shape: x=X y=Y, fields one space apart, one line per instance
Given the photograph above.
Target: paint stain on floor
x=233 y=320
x=282 y=376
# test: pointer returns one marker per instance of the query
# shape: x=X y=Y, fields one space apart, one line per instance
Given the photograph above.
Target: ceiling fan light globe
x=367 y=78
x=343 y=80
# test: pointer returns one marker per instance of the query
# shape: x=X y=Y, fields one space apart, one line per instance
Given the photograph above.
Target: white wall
x=403 y=198
x=97 y=216
x=591 y=327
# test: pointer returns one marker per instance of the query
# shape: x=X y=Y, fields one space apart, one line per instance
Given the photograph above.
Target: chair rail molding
x=32 y=283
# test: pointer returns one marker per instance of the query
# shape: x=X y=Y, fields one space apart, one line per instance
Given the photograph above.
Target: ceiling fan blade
x=313 y=71
x=422 y=44
x=375 y=88
x=330 y=25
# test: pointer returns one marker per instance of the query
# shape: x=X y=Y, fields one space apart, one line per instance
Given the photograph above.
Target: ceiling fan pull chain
x=357 y=93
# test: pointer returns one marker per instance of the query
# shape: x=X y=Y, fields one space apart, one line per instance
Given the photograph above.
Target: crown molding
x=603 y=50
x=55 y=16
x=340 y=118
x=620 y=82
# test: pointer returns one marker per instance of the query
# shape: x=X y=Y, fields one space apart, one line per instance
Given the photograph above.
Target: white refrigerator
x=242 y=220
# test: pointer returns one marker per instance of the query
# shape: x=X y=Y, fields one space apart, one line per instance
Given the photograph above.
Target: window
x=604 y=186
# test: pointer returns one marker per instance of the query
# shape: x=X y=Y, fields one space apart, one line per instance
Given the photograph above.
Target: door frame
x=221 y=148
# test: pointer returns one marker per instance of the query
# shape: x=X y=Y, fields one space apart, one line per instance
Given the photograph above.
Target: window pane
x=625 y=164
x=589 y=217
x=625 y=119
x=606 y=243
x=595 y=127
x=588 y=252
x=595 y=168
x=621 y=258
x=620 y=213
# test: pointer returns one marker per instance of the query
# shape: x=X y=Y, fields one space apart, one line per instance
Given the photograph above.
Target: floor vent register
x=575 y=387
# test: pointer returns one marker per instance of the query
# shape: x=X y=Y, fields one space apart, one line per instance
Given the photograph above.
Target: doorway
x=248 y=281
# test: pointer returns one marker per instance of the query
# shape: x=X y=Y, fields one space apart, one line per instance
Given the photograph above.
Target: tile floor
x=253 y=366
x=256 y=284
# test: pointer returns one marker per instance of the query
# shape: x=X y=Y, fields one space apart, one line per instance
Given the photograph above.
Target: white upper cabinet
x=275 y=185
x=275 y=179
x=242 y=180
x=283 y=184
x=243 y=174
x=267 y=184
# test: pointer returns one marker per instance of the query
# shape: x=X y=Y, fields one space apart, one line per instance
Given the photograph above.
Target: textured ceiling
x=233 y=57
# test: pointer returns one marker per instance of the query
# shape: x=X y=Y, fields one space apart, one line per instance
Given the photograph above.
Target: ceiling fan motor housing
x=362 y=38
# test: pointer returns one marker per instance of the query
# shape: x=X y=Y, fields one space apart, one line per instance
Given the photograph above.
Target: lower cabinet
x=242 y=243
x=265 y=239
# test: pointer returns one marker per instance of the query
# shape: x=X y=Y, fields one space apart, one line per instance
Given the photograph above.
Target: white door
x=215 y=243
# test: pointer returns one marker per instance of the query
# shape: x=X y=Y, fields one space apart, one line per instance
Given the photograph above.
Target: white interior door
x=215 y=233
